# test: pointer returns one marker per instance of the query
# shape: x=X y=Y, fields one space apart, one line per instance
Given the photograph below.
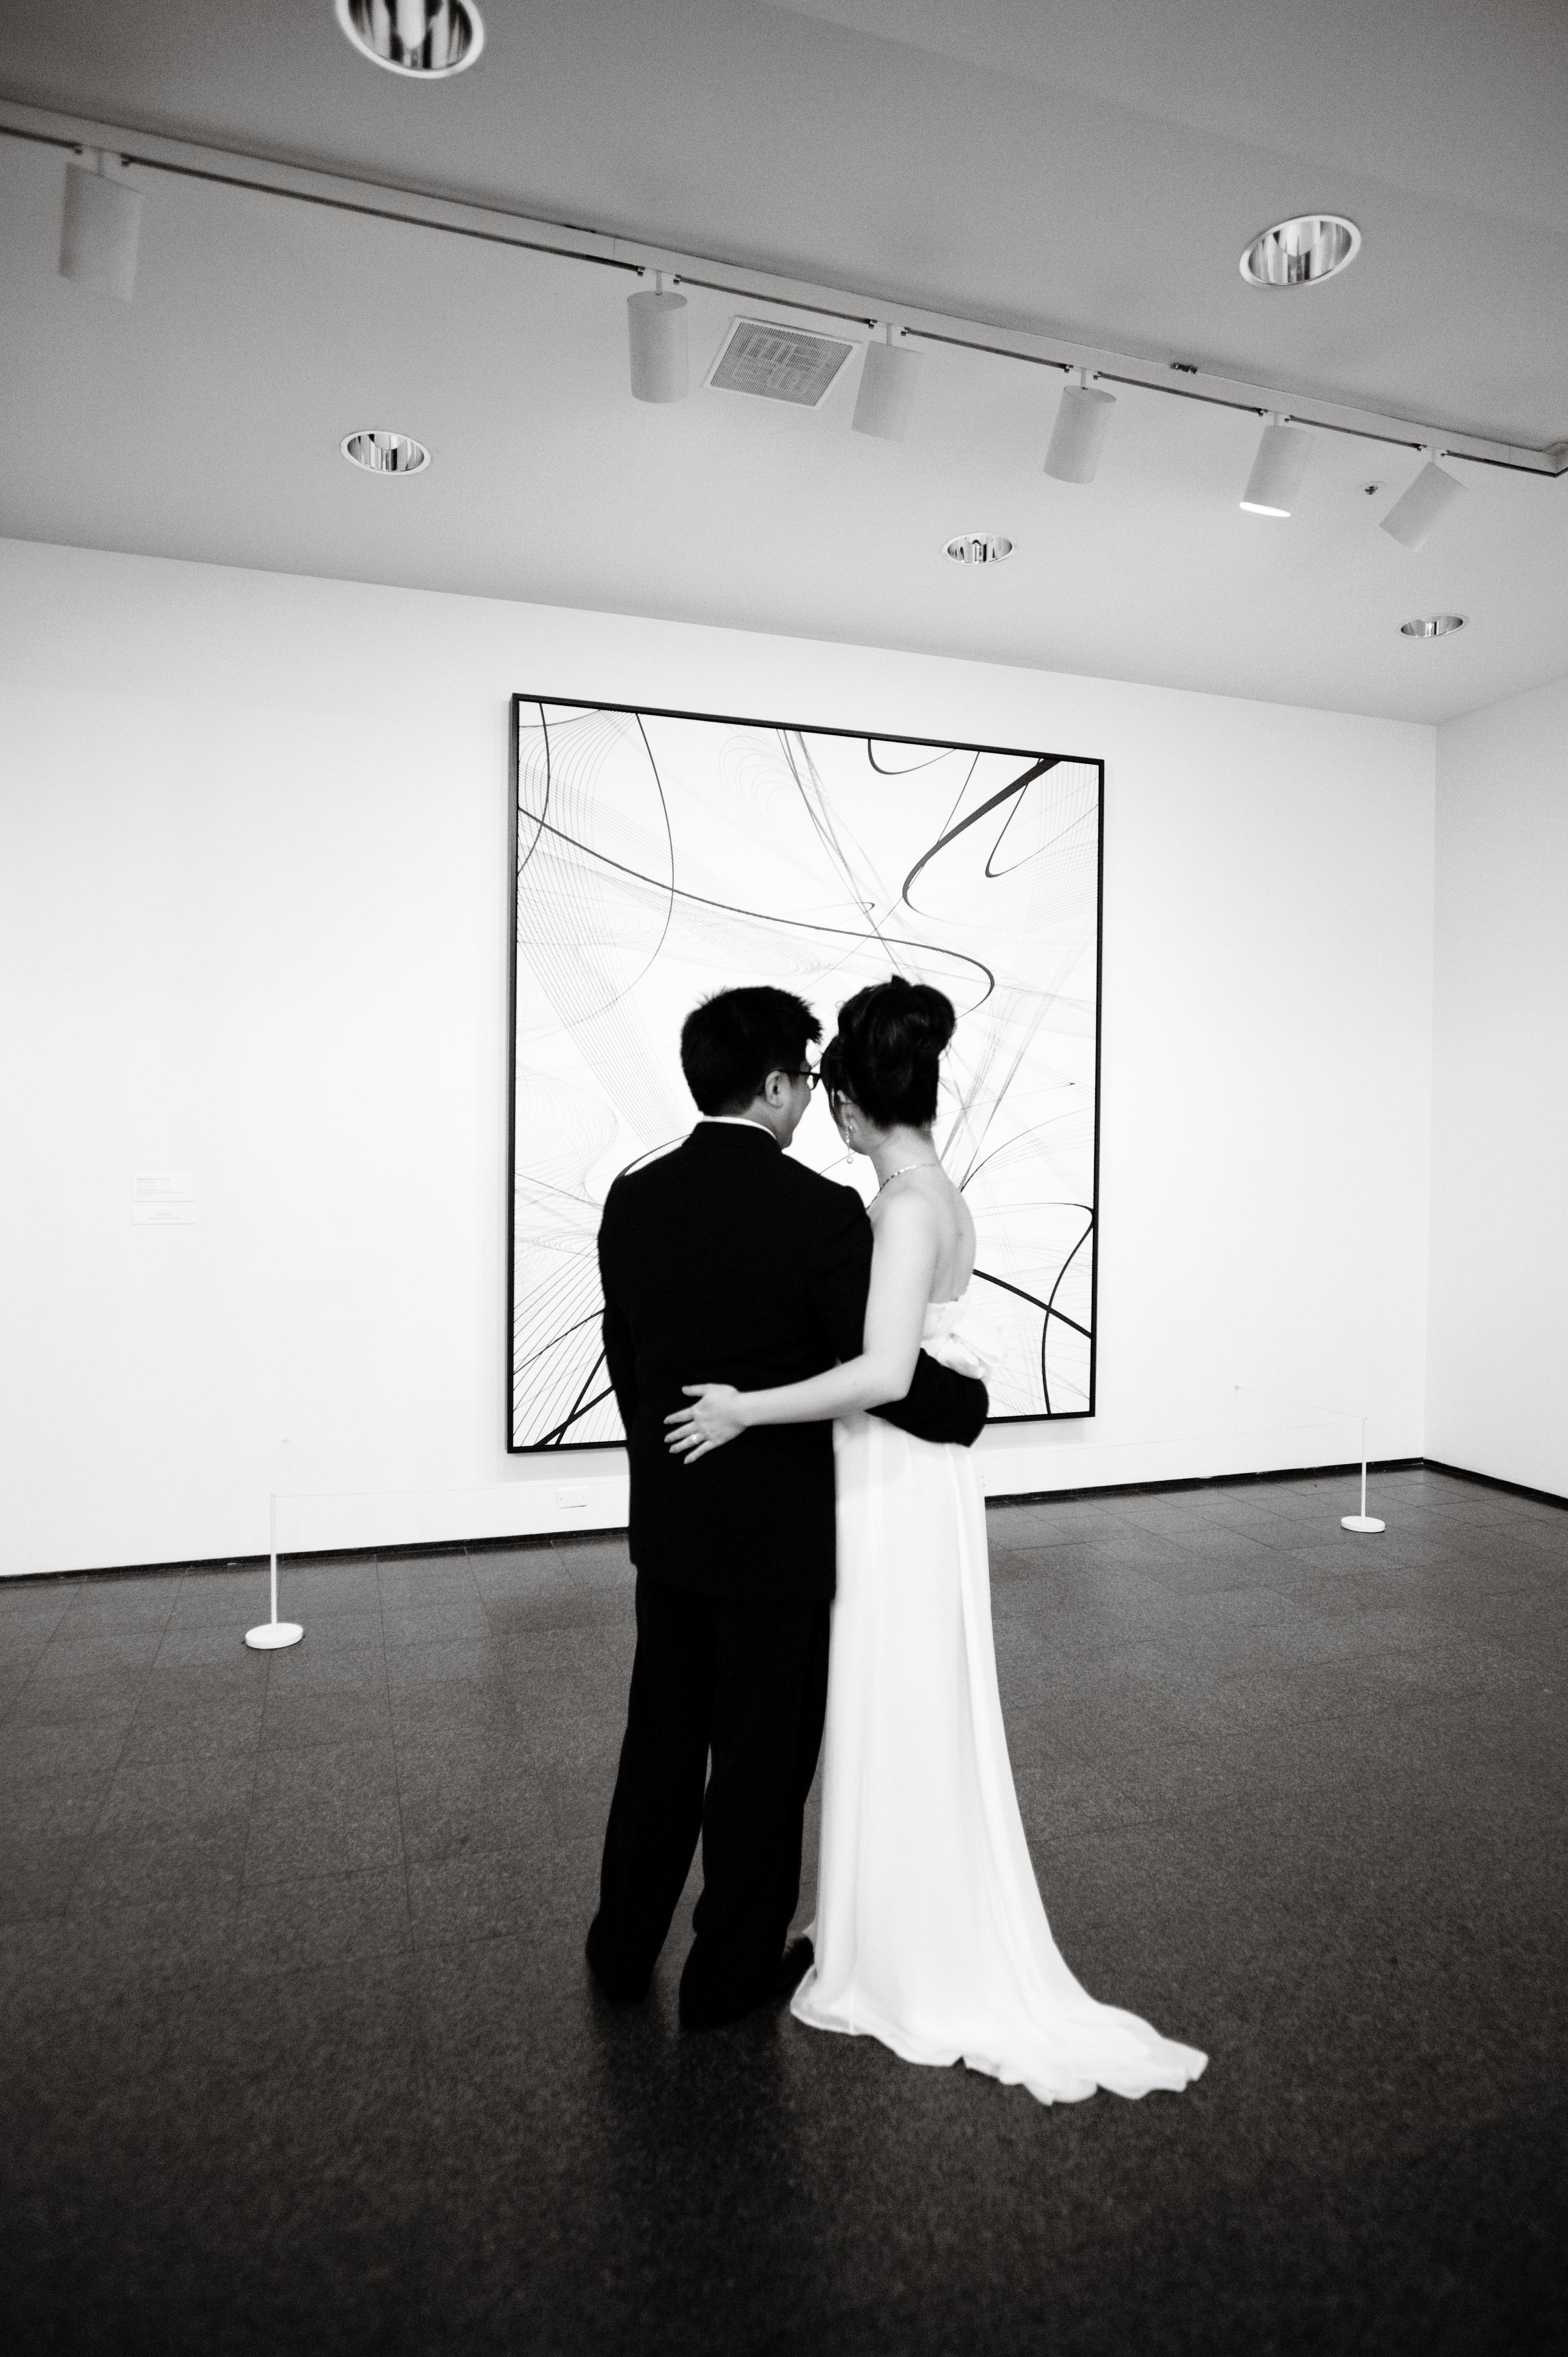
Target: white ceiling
x=1088 y=169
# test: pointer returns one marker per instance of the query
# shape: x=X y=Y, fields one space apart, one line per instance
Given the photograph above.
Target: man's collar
x=736 y=1121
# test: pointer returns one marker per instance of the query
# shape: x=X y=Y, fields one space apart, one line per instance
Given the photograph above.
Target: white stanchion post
x=1363 y=1520
x=273 y=1633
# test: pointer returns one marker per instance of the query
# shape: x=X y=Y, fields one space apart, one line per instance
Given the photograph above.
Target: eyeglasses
x=809 y=1074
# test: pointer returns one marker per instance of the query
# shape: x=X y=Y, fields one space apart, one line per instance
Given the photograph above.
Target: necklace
x=904 y=1167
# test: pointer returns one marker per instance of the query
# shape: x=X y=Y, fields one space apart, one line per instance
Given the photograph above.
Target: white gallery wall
x=1497 y=1376
x=254 y=915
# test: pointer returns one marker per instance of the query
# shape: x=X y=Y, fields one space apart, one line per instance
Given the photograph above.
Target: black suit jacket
x=724 y=1262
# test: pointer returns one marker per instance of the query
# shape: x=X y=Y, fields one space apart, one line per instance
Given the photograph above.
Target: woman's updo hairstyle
x=886 y=1053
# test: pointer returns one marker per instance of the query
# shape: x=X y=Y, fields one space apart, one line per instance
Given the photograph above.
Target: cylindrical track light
x=1277 y=470
x=1429 y=498
x=656 y=323
x=889 y=376
x=1078 y=435
x=100 y=230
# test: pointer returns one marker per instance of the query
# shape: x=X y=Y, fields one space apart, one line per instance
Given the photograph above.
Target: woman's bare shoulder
x=905 y=1211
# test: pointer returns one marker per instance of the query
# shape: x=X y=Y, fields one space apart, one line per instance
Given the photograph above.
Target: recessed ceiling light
x=383 y=453
x=1432 y=626
x=425 y=40
x=980 y=548
x=1302 y=253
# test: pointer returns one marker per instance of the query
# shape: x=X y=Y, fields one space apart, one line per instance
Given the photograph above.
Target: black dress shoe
x=718 y=2011
x=622 y=1987
x=798 y=1958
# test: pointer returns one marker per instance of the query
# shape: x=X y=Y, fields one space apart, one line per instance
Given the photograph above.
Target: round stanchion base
x=1361 y=1522
x=273 y=1633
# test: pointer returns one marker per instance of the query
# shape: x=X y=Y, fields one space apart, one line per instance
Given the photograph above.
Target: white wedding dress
x=930 y=1931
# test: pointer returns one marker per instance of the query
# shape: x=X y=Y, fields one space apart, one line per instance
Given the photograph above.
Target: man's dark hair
x=731 y=1043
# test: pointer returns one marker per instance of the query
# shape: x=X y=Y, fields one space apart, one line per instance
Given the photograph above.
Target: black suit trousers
x=748 y=1684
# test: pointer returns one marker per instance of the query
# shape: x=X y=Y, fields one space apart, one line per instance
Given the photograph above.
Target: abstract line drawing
x=660 y=855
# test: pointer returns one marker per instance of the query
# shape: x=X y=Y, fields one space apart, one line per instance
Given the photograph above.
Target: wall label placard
x=163 y=1187
x=163 y=1199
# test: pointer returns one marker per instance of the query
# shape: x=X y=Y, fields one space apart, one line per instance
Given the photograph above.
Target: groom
x=724 y=1262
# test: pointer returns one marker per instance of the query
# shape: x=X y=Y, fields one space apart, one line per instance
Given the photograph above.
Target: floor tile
x=435 y=1580
x=596 y=1563
x=444 y=1620
x=203 y=1795
x=499 y=1573
x=197 y=1715
x=356 y=1663
x=26 y=1601
x=471 y=1793
x=324 y=1809
x=22 y=1641
x=487 y=1895
x=38 y=1872
x=103 y=1607
x=1069 y=1800
x=319 y=1919
x=566 y=1607
x=456 y=1705
x=332 y=1694
x=233 y=1599
x=49 y=1750
x=103 y=1951
x=328 y=1591
x=294 y=1720
x=69 y=1657
x=579 y=1804
x=101 y=1699
x=335 y=1632
x=137 y=1863
x=43 y=1797
x=198 y=1644
x=472 y=1658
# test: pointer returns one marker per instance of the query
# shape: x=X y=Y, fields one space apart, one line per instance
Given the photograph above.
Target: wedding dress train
x=931 y=1933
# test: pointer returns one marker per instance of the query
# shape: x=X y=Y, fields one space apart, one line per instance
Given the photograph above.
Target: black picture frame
x=871 y=735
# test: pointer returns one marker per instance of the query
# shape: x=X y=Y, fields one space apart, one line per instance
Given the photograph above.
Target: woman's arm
x=903 y=1263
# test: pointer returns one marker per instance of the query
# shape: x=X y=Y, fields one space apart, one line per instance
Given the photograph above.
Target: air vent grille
x=779 y=363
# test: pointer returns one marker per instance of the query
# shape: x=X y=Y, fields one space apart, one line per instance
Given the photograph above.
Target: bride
x=929 y=1933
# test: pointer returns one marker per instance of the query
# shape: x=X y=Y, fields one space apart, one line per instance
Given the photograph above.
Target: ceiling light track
x=372 y=213
x=1262 y=401
x=276 y=178
x=129 y=148
x=786 y=302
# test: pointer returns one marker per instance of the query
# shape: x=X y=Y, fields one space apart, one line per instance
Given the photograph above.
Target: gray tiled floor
x=300 y=2054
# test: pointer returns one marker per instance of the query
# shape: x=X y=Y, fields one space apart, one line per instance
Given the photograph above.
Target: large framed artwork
x=660 y=855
